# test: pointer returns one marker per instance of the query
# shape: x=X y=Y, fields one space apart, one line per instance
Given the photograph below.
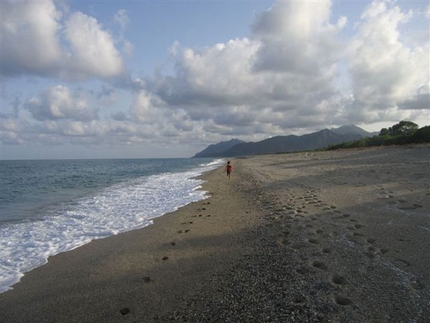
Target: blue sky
x=141 y=79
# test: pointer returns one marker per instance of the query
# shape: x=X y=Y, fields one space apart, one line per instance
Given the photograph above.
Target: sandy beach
x=336 y=236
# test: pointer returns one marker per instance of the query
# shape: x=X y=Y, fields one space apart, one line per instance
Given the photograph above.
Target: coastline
x=336 y=236
x=100 y=281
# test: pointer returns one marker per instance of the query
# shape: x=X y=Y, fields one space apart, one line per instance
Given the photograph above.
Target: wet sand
x=340 y=236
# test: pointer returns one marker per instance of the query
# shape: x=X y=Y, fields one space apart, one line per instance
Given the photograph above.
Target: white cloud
x=144 y=109
x=122 y=19
x=93 y=50
x=297 y=72
x=290 y=74
x=386 y=73
x=212 y=75
x=59 y=102
x=297 y=37
x=276 y=80
x=29 y=37
x=38 y=39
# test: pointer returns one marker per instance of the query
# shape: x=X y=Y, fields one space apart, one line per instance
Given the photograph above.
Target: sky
x=165 y=79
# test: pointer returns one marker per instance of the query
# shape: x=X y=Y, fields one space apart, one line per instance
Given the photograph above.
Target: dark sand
x=340 y=236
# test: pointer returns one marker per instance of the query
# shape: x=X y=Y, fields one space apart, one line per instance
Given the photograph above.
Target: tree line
x=402 y=133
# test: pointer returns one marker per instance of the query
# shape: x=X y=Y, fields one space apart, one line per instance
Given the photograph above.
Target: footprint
x=319 y=265
x=326 y=250
x=341 y=300
x=313 y=241
x=409 y=206
x=283 y=241
x=371 y=240
x=299 y=246
x=299 y=299
x=124 y=310
x=338 y=280
x=302 y=270
x=370 y=254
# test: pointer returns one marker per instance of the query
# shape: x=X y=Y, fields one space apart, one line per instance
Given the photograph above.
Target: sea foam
x=119 y=208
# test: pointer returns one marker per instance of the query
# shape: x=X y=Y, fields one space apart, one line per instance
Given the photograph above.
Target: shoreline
x=28 y=241
x=139 y=272
x=335 y=236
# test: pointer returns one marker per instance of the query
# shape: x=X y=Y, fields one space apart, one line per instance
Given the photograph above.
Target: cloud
x=211 y=76
x=36 y=25
x=298 y=71
x=93 y=50
x=59 y=102
x=39 y=39
x=121 y=18
x=264 y=84
x=388 y=77
x=297 y=37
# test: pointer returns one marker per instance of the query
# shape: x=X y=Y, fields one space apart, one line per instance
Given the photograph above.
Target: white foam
x=216 y=162
x=119 y=208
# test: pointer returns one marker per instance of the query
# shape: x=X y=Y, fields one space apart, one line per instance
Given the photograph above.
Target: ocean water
x=52 y=206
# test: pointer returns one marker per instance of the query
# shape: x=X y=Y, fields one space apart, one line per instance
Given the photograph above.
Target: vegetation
x=402 y=133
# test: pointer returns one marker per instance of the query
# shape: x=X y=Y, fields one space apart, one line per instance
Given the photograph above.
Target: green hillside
x=402 y=133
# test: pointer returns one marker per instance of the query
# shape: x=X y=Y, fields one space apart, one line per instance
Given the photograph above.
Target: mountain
x=283 y=144
x=218 y=149
x=351 y=129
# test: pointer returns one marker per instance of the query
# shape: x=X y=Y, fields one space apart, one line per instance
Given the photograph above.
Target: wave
x=119 y=208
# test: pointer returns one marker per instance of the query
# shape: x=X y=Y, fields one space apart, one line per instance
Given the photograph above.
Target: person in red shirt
x=229 y=169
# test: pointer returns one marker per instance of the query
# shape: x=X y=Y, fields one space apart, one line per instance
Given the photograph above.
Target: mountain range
x=284 y=144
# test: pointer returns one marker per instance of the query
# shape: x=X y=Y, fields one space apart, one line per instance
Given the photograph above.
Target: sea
x=53 y=206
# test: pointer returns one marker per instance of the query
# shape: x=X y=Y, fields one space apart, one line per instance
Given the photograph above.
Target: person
x=229 y=169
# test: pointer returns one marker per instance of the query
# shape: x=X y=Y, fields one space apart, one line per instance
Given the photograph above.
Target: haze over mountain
x=283 y=144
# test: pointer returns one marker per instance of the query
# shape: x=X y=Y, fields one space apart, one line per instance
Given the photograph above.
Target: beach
x=330 y=236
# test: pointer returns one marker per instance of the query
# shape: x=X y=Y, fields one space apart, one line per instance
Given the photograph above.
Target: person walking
x=229 y=169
